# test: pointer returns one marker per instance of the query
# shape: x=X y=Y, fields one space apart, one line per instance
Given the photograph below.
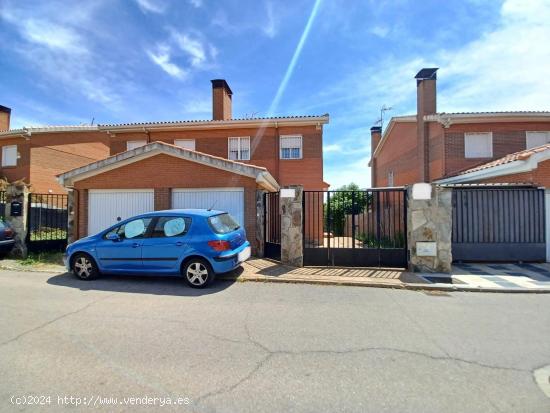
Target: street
x=259 y=347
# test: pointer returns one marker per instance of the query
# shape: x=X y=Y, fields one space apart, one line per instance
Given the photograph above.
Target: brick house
x=459 y=147
x=196 y=164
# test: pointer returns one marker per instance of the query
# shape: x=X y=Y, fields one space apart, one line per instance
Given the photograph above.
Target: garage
x=223 y=199
x=107 y=206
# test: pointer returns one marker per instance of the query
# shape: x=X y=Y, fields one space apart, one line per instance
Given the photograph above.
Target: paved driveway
x=254 y=347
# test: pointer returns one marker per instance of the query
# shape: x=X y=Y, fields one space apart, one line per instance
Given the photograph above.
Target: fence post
x=260 y=222
x=18 y=192
x=429 y=226
x=71 y=215
x=292 y=251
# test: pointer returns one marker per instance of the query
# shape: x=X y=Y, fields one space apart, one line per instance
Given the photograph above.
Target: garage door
x=106 y=206
x=223 y=199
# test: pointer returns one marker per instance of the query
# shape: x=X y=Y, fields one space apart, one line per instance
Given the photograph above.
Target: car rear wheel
x=198 y=273
x=84 y=267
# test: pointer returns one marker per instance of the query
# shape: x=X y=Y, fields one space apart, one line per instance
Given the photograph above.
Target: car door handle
x=179 y=244
x=135 y=245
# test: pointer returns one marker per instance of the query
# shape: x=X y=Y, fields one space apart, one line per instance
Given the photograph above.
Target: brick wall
x=540 y=176
x=22 y=169
x=162 y=172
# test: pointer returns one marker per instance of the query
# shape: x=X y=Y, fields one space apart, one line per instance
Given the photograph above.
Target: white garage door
x=223 y=199
x=106 y=206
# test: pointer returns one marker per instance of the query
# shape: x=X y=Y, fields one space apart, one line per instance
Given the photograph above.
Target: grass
x=43 y=258
x=46 y=234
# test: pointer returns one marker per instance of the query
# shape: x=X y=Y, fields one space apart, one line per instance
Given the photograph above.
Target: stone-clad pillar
x=72 y=202
x=429 y=226
x=290 y=201
x=260 y=224
x=18 y=192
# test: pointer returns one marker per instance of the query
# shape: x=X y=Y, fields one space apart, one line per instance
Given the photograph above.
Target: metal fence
x=2 y=204
x=47 y=222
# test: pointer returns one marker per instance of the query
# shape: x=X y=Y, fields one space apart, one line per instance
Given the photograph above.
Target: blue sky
x=66 y=62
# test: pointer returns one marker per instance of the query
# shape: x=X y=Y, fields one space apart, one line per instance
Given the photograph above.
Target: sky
x=71 y=62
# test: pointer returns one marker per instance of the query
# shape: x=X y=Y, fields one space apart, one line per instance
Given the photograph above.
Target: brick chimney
x=425 y=105
x=221 y=100
x=375 y=136
x=5 y=114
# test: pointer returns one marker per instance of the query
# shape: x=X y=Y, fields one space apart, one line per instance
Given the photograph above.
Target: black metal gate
x=2 y=204
x=47 y=222
x=272 y=226
x=356 y=228
x=498 y=224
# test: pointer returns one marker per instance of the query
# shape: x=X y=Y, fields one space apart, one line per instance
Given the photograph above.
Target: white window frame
x=142 y=141
x=540 y=132
x=6 y=159
x=471 y=154
x=239 y=148
x=282 y=138
x=390 y=178
x=177 y=142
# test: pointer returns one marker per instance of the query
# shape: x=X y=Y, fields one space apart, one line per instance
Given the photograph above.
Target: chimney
x=221 y=100
x=5 y=114
x=425 y=105
x=375 y=136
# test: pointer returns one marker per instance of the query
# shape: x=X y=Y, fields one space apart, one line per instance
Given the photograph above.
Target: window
x=223 y=224
x=534 y=139
x=478 y=145
x=291 y=147
x=239 y=149
x=171 y=227
x=185 y=143
x=135 y=144
x=9 y=155
x=390 y=178
x=132 y=229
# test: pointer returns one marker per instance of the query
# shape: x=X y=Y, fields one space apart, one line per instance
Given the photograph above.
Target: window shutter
x=185 y=143
x=478 y=145
x=534 y=139
x=9 y=155
x=233 y=148
x=134 y=144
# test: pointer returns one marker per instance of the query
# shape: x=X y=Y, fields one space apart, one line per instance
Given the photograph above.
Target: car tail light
x=8 y=233
x=219 y=245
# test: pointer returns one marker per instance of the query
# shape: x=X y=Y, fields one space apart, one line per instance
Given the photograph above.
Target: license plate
x=244 y=254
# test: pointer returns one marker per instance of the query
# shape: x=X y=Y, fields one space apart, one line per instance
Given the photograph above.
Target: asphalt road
x=254 y=347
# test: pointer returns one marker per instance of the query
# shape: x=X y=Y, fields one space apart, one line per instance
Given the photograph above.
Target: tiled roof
x=516 y=156
x=513 y=112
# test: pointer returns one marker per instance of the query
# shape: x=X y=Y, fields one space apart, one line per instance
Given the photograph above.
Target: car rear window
x=223 y=223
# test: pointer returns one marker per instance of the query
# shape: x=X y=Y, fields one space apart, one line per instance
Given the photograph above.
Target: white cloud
x=270 y=26
x=380 y=31
x=51 y=35
x=152 y=6
x=162 y=58
x=200 y=53
x=332 y=148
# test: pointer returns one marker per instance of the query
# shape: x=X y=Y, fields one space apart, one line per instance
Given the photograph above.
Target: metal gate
x=47 y=222
x=3 y=204
x=272 y=226
x=498 y=224
x=355 y=228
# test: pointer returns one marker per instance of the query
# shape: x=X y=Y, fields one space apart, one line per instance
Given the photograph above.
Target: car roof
x=189 y=212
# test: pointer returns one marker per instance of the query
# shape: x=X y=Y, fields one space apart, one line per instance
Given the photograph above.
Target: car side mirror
x=113 y=237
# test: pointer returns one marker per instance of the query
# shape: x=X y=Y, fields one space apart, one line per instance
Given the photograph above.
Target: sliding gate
x=355 y=228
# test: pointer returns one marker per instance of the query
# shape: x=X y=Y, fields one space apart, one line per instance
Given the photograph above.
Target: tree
x=346 y=200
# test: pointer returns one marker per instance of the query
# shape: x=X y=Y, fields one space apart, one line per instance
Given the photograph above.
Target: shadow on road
x=142 y=284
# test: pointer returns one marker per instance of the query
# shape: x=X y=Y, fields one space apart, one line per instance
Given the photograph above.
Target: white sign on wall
x=288 y=193
x=426 y=249
x=422 y=191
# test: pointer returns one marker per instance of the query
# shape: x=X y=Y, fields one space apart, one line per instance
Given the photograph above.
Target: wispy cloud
x=270 y=26
x=161 y=56
x=380 y=30
x=152 y=6
x=195 y=48
x=196 y=3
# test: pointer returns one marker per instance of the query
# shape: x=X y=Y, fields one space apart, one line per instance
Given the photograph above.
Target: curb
x=333 y=281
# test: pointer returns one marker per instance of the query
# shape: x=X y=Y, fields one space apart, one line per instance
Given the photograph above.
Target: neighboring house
x=217 y=163
x=36 y=155
x=460 y=147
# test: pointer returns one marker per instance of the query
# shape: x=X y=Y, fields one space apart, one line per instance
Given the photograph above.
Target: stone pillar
x=429 y=226
x=260 y=222
x=72 y=202
x=290 y=203
x=18 y=193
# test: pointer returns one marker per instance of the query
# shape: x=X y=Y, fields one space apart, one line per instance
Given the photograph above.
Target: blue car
x=194 y=243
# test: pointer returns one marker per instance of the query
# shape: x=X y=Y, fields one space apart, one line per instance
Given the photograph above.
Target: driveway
x=256 y=347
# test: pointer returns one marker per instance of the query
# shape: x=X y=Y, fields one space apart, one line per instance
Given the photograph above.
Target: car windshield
x=223 y=223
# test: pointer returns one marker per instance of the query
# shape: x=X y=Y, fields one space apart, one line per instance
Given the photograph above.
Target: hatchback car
x=7 y=240
x=194 y=243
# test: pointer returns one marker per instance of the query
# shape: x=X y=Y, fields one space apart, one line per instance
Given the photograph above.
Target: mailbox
x=16 y=209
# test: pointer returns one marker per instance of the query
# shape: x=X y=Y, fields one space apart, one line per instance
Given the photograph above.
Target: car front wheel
x=84 y=267
x=198 y=273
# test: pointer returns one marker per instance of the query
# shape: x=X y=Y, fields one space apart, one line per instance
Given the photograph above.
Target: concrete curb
x=365 y=282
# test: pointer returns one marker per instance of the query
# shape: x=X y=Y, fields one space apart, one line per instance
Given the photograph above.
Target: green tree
x=348 y=200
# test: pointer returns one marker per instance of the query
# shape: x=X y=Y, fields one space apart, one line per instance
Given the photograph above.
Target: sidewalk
x=503 y=278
